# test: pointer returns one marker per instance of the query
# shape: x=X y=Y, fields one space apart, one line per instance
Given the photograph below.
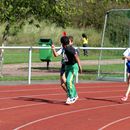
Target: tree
x=16 y=12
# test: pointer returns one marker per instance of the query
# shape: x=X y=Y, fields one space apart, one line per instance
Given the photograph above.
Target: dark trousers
x=85 y=51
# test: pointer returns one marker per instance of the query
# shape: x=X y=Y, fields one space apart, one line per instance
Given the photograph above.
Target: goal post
x=116 y=34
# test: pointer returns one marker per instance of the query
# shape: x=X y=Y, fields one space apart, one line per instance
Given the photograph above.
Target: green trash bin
x=45 y=54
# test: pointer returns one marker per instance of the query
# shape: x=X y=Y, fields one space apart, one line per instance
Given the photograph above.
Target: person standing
x=126 y=55
x=85 y=44
x=72 y=66
x=62 y=69
x=61 y=51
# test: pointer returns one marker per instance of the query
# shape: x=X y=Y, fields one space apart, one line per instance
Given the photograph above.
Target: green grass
x=13 y=56
x=30 y=34
x=19 y=56
x=13 y=78
x=25 y=78
x=89 y=73
x=56 y=77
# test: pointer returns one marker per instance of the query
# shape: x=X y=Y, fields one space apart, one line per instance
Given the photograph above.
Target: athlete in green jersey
x=72 y=66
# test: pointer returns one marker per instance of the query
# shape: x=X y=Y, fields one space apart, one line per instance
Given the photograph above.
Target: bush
x=30 y=34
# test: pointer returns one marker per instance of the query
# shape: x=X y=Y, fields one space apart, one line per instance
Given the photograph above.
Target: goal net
x=116 y=34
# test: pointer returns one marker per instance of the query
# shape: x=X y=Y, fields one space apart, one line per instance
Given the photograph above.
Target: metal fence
x=30 y=48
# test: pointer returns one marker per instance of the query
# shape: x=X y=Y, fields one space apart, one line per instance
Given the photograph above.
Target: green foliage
x=30 y=34
x=118 y=28
x=16 y=12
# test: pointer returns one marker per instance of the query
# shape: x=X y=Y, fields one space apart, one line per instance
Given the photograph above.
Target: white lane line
x=13 y=97
x=35 y=104
x=21 y=106
x=17 y=90
x=66 y=113
x=82 y=87
x=114 y=122
x=6 y=91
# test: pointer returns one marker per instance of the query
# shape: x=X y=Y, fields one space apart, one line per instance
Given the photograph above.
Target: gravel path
x=38 y=69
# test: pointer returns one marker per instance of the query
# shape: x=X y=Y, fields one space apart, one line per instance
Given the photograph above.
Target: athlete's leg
x=128 y=90
x=85 y=50
x=124 y=98
x=63 y=78
x=71 y=72
x=63 y=82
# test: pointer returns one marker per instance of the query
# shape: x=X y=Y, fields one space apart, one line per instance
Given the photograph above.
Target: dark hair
x=64 y=40
x=71 y=38
x=84 y=35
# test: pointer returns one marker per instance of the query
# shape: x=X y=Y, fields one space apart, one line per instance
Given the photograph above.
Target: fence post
x=29 y=65
x=125 y=73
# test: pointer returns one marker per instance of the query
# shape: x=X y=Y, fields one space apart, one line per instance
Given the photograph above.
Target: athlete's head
x=64 y=40
x=84 y=35
x=70 y=40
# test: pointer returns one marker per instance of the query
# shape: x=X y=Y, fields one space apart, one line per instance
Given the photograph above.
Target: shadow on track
x=101 y=99
x=41 y=100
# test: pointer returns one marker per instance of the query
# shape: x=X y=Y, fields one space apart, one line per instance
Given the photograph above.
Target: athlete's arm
x=55 y=53
x=126 y=57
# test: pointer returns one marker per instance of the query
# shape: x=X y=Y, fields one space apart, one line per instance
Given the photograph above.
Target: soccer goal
x=116 y=34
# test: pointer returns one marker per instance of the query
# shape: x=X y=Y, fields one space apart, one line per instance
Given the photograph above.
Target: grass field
x=14 y=56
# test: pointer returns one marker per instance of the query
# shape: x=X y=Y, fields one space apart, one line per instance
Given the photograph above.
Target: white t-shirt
x=126 y=52
x=60 y=51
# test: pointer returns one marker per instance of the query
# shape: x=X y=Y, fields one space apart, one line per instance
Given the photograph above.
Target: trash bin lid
x=45 y=41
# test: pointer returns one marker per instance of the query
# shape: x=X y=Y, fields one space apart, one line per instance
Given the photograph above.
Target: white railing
x=30 y=48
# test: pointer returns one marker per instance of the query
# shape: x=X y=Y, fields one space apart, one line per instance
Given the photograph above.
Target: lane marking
x=21 y=106
x=82 y=87
x=34 y=104
x=66 y=113
x=13 y=97
x=114 y=122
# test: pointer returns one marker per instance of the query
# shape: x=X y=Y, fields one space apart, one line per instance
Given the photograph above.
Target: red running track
x=42 y=107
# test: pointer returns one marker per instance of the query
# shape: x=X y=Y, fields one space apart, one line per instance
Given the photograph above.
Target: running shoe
x=71 y=100
x=76 y=98
x=124 y=98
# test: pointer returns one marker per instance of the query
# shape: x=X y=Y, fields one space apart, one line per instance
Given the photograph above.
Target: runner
x=72 y=66
x=126 y=55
